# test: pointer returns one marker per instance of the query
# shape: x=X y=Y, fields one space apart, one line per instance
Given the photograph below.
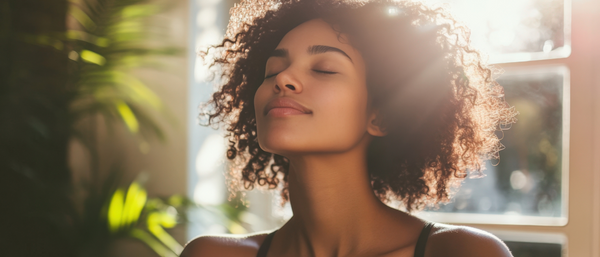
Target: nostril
x=290 y=87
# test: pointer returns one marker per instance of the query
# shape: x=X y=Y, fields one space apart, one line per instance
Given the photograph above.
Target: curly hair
x=439 y=101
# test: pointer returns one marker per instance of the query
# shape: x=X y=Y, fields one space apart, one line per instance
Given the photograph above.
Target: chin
x=282 y=144
x=293 y=145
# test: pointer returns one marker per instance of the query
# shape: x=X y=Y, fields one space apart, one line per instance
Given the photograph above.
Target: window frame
x=477 y=218
x=582 y=230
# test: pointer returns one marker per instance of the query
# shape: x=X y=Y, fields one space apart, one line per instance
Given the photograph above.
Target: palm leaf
x=113 y=36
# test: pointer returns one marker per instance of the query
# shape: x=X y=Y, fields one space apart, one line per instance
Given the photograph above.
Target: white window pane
x=516 y=30
x=528 y=184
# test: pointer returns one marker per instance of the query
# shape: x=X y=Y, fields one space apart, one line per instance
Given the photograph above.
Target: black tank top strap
x=419 y=248
x=264 y=247
x=422 y=241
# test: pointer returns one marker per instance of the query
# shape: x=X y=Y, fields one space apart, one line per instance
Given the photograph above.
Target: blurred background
x=101 y=153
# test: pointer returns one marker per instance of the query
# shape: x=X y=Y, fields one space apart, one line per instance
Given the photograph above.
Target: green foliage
x=115 y=212
x=53 y=77
x=111 y=42
x=129 y=212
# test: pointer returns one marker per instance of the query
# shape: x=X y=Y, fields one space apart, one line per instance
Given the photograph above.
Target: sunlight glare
x=392 y=11
x=513 y=27
x=211 y=185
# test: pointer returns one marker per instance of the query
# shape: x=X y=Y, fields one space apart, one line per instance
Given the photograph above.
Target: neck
x=335 y=208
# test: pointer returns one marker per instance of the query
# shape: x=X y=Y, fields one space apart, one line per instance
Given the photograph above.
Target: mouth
x=283 y=106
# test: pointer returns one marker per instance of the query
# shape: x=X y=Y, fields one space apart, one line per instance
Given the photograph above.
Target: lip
x=286 y=104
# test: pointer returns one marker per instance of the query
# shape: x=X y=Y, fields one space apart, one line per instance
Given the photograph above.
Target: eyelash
x=325 y=72
x=319 y=71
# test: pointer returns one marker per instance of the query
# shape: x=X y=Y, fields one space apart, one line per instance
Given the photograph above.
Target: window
x=542 y=198
x=516 y=31
x=206 y=147
x=529 y=184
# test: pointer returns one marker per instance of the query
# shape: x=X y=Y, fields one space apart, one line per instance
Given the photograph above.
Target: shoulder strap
x=264 y=247
x=419 y=248
x=422 y=241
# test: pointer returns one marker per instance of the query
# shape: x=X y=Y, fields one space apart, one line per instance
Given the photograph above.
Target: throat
x=335 y=208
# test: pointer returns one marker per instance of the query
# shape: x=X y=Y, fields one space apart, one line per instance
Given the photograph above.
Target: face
x=314 y=96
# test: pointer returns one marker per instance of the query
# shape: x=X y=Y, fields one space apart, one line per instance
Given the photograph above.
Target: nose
x=286 y=81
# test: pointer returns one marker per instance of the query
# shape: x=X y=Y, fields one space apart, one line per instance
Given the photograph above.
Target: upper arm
x=208 y=246
x=466 y=242
x=200 y=246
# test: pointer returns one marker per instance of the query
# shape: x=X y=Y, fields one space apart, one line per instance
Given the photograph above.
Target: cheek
x=342 y=119
x=345 y=111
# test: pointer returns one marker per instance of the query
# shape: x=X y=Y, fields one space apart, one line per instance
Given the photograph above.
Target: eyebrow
x=319 y=49
x=312 y=50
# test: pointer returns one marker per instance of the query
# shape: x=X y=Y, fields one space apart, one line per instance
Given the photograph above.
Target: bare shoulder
x=449 y=240
x=225 y=246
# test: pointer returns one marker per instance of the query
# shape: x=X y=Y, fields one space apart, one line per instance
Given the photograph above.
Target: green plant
x=54 y=77
x=110 y=40
x=130 y=213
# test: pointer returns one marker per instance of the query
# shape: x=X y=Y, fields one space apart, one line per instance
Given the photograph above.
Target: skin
x=335 y=210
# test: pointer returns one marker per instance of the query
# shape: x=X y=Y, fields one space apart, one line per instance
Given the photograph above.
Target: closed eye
x=319 y=71
x=325 y=72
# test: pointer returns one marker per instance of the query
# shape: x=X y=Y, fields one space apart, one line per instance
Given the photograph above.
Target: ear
x=375 y=126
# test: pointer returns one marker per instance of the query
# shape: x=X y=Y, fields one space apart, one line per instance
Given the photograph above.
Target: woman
x=345 y=106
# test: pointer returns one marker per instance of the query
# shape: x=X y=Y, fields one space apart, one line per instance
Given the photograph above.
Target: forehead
x=316 y=32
